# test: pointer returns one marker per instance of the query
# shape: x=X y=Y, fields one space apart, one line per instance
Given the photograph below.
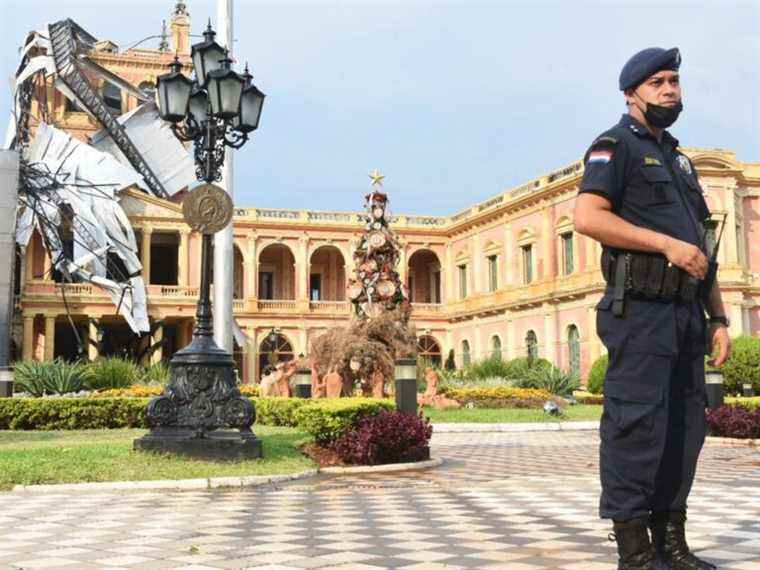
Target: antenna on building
x=163 y=45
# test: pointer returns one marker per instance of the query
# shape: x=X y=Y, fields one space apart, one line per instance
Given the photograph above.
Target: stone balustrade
x=274 y=305
x=331 y=307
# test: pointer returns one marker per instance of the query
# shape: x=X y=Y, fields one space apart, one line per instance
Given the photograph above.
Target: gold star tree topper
x=376 y=177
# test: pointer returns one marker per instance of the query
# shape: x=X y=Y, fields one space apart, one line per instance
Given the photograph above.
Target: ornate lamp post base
x=202 y=406
x=213 y=446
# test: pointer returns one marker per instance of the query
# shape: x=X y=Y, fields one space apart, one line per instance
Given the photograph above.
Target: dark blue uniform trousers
x=654 y=424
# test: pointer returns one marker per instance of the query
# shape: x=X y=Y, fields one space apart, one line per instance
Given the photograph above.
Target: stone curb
x=388 y=468
x=514 y=427
x=733 y=442
x=177 y=484
x=217 y=482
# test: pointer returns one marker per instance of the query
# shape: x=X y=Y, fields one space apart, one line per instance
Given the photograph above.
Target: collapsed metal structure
x=73 y=188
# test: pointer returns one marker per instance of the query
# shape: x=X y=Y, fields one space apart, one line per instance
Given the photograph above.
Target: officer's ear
x=628 y=93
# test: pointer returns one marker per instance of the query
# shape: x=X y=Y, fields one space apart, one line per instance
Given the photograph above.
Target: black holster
x=648 y=276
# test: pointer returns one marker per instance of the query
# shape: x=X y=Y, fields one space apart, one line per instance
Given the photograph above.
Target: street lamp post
x=219 y=109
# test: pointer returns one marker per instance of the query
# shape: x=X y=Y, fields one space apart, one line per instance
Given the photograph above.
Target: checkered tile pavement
x=519 y=501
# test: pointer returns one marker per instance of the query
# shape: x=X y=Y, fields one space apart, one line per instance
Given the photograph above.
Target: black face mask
x=662 y=117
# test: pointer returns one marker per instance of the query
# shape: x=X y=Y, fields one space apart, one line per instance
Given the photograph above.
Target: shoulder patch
x=601 y=150
x=604 y=140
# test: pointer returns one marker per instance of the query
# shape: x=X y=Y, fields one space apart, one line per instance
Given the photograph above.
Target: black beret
x=646 y=63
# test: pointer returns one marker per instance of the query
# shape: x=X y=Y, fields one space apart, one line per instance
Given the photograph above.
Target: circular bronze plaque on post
x=207 y=209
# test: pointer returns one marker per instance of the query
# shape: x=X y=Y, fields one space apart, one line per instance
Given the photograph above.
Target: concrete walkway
x=501 y=500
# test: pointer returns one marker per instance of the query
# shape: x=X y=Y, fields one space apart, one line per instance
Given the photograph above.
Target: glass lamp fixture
x=251 y=103
x=173 y=93
x=225 y=89
x=198 y=107
x=207 y=56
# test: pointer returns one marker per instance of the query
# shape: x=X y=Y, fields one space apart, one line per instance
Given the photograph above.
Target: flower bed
x=498 y=397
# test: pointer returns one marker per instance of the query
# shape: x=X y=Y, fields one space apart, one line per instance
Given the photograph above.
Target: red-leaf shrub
x=386 y=437
x=734 y=421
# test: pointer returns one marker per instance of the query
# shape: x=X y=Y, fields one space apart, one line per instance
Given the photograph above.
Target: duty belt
x=650 y=276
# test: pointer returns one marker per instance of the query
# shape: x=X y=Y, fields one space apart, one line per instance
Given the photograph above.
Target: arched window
x=429 y=350
x=495 y=346
x=274 y=349
x=466 y=359
x=574 y=346
x=531 y=345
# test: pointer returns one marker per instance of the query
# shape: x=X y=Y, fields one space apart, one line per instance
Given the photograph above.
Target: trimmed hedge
x=498 y=397
x=743 y=366
x=595 y=382
x=278 y=411
x=327 y=420
x=72 y=413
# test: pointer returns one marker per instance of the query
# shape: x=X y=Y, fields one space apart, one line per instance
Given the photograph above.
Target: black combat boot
x=635 y=552
x=669 y=538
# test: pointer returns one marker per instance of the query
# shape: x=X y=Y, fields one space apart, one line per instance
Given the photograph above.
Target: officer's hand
x=718 y=335
x=686 y=256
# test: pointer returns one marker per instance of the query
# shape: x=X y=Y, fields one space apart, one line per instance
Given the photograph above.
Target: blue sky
x=453 y=101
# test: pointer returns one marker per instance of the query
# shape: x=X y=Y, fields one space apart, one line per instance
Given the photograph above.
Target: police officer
x=641 y=199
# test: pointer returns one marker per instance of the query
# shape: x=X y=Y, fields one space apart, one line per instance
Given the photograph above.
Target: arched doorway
x=275 y=348
x=574 y=349
x=429 y=351
x=495 y=346
x=277 y=273
x=327 y=274
x=424 y=279
x=466 y=357
x=531 y=345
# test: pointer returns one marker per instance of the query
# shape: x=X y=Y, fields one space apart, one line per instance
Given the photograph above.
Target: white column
x=591 y=260
x=736 y=319
x=509 y=278
x=145 y=254
x=477 y=341
x=92 y=339
x=510 y=339
x=49 y=337
x=550 y=335
x=729 y=234
x=546 y=247
x=158 y=336
x=223 y=247
x=302 y=270
x=304 y=340
x=593 y=340
x=448 y=274
x=403 y=269
x=477 y=255
x=251 y=270
x=184 y=260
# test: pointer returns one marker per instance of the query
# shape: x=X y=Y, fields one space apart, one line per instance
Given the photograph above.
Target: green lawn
x=579 y=412
x=34 y=457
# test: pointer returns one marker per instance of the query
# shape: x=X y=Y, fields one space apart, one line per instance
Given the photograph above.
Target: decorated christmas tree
x=377 y=285
x=362 y=355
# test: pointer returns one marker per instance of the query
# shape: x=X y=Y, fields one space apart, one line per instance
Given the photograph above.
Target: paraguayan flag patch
x=601 y=156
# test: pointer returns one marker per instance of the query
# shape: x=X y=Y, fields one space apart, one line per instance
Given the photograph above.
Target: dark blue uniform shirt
x=649 y=183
